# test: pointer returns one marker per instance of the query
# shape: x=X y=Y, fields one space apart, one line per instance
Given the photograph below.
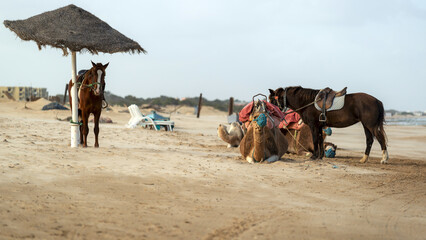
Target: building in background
x=23 y=93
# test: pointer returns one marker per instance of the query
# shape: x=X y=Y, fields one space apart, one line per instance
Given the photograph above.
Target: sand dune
x=186 y=184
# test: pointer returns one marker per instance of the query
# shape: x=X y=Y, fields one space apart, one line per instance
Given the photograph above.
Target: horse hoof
x=313 y=157
x=364 y=159
x=384 y=161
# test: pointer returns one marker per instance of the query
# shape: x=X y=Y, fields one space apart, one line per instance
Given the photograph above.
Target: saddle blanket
x=245 y=113
x=338 y=103
x=274 y=112
x=292 y=120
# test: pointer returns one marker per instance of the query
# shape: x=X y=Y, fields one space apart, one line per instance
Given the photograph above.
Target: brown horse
x=358 y=107
x=90 y=89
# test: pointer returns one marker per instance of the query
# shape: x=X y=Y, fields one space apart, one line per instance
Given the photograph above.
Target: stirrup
x=104 y=104
x=322 y=117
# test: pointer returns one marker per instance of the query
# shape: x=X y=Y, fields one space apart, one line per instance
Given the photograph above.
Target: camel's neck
x=259 y=144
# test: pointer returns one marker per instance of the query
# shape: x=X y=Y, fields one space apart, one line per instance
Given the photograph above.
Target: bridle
x=284 y=109
x=263 y=107
x=277 y=99
x=92 y=86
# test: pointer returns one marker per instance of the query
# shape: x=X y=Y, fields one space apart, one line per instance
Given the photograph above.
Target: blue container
x=330 y=153
x=327 y=131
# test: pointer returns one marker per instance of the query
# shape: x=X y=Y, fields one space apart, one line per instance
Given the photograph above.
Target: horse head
x=276 y=97
x=95 y=78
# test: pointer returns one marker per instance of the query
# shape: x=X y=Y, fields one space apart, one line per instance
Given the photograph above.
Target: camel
x=260 y=142
x=300 y=141
x=231 y=134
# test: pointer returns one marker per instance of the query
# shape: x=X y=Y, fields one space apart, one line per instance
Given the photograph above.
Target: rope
x=294 y=137
x=89 y=85
x=78 y=123
x=307 y=105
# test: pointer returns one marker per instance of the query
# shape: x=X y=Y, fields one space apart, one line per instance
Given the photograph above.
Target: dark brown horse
x=358 y=107
x=90 y=88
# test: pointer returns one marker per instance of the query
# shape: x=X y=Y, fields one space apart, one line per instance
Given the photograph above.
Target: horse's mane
x=304 y=94
x=89 y=73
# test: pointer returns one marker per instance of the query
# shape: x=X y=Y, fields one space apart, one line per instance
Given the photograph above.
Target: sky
x=238 y=48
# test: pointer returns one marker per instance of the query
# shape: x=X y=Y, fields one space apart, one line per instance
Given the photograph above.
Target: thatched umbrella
x=72 y=28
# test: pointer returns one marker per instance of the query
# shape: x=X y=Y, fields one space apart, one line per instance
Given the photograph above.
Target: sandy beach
x=186 y=184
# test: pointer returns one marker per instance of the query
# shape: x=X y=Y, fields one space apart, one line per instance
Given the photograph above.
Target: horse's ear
x=93 y=64
x=272 y=92
x=106 y=65
x=279 y=92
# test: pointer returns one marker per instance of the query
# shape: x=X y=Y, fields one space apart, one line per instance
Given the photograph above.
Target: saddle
x=325 y=97
x=80 y=76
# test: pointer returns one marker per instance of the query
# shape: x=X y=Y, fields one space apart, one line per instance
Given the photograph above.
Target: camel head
x=259 y=122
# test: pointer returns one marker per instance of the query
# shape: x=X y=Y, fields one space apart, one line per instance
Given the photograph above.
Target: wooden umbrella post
x=65 y=93
x=199 y=105
x=231 y=106
x=75 y=127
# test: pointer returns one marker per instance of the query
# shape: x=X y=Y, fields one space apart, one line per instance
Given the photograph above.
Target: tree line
x=161 y=101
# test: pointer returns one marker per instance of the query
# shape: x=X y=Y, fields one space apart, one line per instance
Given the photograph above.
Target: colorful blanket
x=290 y=119
x=244 y=115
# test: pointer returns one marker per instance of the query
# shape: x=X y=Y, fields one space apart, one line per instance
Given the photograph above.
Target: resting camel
x=300 y=141
x=260 y=142
x=231 y=135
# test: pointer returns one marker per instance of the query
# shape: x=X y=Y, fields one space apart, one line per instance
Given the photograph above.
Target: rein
x=285 y=104
x=92 y=88
x=307 y=105
x=88 y=85
x=92 y=85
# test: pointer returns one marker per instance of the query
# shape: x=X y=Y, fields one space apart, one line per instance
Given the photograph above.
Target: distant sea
x=406 y=121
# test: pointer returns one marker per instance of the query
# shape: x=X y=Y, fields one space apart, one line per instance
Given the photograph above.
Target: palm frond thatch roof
x=75 y=29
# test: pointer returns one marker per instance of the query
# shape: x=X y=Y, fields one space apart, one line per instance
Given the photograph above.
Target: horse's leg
x=96 y=129
x=315 y=133
x=380 y=136
x=85 y=126
x=81 y=133
x=320 y=143
x=80 y=120
x=369 y=141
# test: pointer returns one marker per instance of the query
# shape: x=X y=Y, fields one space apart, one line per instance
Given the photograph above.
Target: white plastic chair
x=137 y=118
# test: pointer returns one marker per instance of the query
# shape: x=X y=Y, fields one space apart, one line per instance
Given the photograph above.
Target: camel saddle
x=325 y=97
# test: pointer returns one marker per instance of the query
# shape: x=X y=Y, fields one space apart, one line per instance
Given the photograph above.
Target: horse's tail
x=379 y=131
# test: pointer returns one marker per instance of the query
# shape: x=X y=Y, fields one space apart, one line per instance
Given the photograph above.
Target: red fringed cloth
x=292 y=120
x=273 y=110
x=281 y=120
